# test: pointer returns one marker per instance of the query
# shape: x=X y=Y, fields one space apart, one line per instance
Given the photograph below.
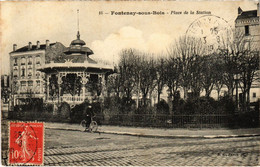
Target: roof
x=70 y=50
x=78 y=42
x=87 y=65
x=76 y=46
x=91 y=60
x=247 y=14
x=34 y=47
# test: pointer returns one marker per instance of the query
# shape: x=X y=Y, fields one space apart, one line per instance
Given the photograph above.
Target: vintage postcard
x=130 y=83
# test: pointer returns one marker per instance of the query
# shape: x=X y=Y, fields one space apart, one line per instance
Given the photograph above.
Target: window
x=38 y=87
x=15 y=61
x=23 y=61
x=30 y=83
x=254 y=95
x=30 y=72
x=23 y=86
x=38 y=74
x=30 y=60
x=247 y=30
x=23 y=83
x=15 y=73
x=30 y=86
x=16 y=86
x=38 y=60
x=23 y=72
x=38 y=83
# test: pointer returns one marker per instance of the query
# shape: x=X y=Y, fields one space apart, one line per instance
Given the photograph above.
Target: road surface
x=75 y=148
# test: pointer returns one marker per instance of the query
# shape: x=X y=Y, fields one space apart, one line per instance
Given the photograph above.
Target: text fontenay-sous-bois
x=142 y=13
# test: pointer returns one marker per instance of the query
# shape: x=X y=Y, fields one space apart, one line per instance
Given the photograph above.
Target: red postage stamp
x=26 y=143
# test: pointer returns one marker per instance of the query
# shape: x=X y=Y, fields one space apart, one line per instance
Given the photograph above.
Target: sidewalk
x=162 y=133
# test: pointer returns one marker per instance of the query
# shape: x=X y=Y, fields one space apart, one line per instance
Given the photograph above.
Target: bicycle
x=93 y=126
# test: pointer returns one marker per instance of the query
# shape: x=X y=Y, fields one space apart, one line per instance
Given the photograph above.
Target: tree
x=241 y=61
x=161 y=76
x=230 y=70
x=127 y=72
x=147 y=76
x=196 y=82
x=248 y=67
x=211 y=73
x=219 y=71
x=114 y=83
x=137 y=75
x=173 y=75
x=189 y=49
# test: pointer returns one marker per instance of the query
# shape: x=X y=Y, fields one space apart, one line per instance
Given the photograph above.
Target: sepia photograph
x=130 y=83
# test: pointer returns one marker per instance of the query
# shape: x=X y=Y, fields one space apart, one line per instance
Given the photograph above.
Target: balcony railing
x=68 y=99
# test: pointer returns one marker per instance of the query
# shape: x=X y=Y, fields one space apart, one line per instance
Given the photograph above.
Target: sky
x=108 y=33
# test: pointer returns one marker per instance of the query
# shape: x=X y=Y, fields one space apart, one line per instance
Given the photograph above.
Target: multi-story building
x=27 y=81
x=248 y=23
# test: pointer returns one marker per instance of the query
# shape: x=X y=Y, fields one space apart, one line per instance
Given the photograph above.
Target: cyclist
x=88 y=116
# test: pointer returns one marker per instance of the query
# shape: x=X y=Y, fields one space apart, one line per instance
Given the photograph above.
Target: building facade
x=248 y=23
x=5 y=89
x=27 y=81
x=5 y=95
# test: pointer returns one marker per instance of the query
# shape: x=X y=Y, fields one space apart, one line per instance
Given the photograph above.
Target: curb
x=164 y=136
x=179 y=136
x=70 y=129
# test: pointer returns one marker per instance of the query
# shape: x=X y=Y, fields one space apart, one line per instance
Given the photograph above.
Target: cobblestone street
x=63 y=147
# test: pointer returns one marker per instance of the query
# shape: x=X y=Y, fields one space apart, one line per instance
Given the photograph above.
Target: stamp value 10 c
x=26 y=145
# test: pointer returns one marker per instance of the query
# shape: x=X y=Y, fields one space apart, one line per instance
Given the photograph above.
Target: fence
x=141 y=120
x=168 y=121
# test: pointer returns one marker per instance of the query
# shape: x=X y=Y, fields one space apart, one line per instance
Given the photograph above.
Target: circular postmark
x=213 y=31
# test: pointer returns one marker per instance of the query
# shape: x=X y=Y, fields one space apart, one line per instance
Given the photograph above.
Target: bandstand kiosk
x=75 y=77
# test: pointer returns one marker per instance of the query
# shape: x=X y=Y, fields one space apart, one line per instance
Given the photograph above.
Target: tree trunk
x=244 y=101
x=144 y=100
x=185 y=90
x=158 y=96
x=151 y=99
x=218 y=92
x=230 y=90
x=138 y=92
x=170 y=104
x=248 y=100
x=207 y=93
x=118 y=94
x=196 y=93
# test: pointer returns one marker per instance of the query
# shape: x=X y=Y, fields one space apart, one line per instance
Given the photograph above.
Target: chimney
x=47 y=43
x=29 y=46
x=258 y=10
x=14 y=47
x=239 y=10
x=38 y=45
